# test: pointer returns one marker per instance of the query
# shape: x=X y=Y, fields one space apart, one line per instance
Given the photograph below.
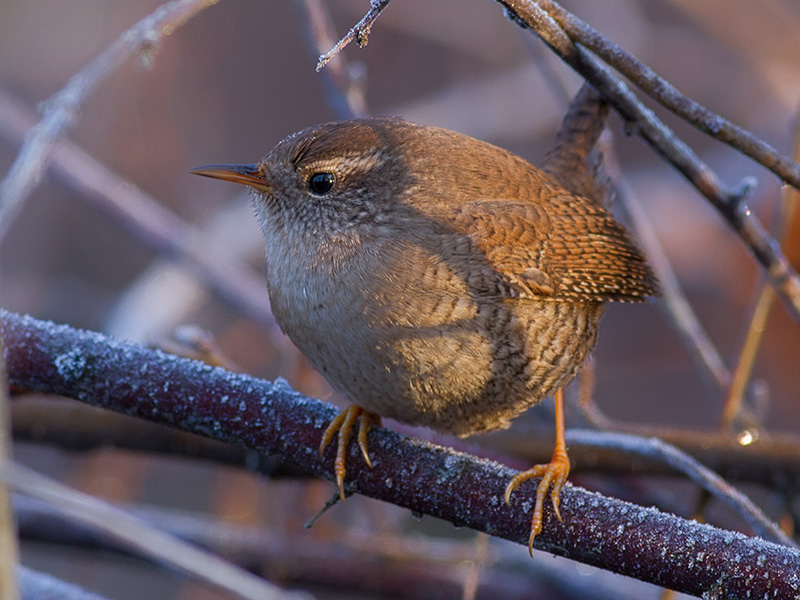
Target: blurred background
x=237 y=78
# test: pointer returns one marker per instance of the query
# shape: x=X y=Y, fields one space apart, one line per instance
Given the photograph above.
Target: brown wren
x=436 y=279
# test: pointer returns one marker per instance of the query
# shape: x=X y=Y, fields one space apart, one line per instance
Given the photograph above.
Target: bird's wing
x=565 y=249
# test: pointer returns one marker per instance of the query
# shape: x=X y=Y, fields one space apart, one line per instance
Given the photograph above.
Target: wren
x=436 y=279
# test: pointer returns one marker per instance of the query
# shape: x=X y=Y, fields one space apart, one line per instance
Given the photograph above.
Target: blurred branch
x=411 y=566
x=76 y=427
x=9 y=552
x=62 y=108
x=690 y=330
x=730 y=203
x=40 y=586
x=146 y=218
x=342 y=81
x=143 y=538
x=272 y=418
x=685 y=464
x=790 y=198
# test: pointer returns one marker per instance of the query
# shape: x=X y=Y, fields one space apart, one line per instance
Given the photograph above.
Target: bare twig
x=359 y=32
x=146 y=218
x=410 y=567
x=332 y=501
x=140 y=536
x=38 y=586
x=761 y=312
x=670 y=98
x=685 y=464
x=683 y=318
x=730 y=203
x=63 y=107
x=457 y=487
x=343 y=82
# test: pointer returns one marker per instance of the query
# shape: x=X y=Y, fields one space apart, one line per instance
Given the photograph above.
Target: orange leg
x=553 y=474
x=344 y=423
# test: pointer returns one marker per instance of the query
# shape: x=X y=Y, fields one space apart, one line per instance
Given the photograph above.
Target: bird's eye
x=321 y=183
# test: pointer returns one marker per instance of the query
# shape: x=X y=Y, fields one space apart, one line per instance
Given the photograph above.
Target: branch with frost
x=460 y=488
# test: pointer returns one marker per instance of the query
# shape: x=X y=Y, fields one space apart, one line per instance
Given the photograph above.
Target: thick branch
x=457 y=487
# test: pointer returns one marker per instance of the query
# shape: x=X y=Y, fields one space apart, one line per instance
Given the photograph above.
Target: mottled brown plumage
x=440 y=281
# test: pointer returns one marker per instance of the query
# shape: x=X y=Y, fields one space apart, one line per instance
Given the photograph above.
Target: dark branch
x=644 y=122
x=272 y=418
x=669 y=97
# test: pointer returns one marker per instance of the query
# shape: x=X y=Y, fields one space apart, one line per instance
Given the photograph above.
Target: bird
x=439 y=280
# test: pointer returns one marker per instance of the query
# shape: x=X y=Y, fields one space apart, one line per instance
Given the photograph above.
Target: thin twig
x=729 y=203
x=359 y=32
x=63 y=107
x=332 y=501
x=670 y=98
x=40 y=586
x=681 y=315
x=454 y=486
x=148 y=219
x=770 y=460
x=342 y=81
x=138 y=535
x=685 y=464
x=761 y=312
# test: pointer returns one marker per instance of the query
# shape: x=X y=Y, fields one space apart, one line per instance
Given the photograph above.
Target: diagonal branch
x=729 y=203
x=359 y=32
x=272 y=418
x=670 y=98
x=63 y=107
x=146 y=218
x=136 y=534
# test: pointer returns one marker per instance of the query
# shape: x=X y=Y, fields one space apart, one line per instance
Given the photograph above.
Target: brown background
x=239 y=77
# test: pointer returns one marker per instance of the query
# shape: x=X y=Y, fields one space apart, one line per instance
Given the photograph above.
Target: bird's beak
x=244 y=174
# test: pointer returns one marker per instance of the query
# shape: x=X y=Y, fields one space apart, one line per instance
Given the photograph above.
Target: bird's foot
x=553 y=474
x=343 y=424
